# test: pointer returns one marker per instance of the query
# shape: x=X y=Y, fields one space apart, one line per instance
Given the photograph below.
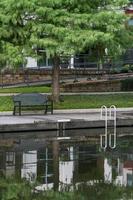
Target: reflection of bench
x=32 y=100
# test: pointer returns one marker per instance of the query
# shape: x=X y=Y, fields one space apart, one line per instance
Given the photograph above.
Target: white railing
x=112 y=136
x=104 y=137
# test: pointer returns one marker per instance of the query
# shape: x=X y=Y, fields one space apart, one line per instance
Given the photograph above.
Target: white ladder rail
x=112 y=116
x=112 y=136
x=104 y=137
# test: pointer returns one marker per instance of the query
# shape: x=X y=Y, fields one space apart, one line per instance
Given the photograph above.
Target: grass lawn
x=80 y=101
x=96 y=101
x=25 y=89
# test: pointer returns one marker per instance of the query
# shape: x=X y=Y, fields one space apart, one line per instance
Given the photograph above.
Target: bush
x=124 y=70
x=131 y=68
x=115 y=71
x=127 y=84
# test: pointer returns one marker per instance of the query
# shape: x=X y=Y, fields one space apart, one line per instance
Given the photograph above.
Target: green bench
x=33 y=101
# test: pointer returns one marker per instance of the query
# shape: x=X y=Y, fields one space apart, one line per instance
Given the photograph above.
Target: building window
x=43 y=60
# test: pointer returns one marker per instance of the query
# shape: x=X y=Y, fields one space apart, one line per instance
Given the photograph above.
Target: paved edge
x=75 y=111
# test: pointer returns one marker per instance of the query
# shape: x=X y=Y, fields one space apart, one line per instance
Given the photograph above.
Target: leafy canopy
x=64 y=26
x=72 y=26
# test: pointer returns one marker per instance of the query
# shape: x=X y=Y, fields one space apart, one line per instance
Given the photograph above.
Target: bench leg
x=52 y=107
x=14 y=110
x=19 y=110
x=46 y=109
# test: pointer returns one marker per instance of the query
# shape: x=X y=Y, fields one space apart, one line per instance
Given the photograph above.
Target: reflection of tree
x=55 y=145
x=114 y=168
x=90 y=169
x=64 y=154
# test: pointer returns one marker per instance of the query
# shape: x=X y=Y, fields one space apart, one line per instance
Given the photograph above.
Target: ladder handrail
x=111 y=116
x=104 y=146
x=102 y=109
x=113 y=110
x=110 y=141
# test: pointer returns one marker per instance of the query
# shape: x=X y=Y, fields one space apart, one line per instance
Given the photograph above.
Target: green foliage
x=11 y=56
x=103 y=191
x=69 y=27
x=115 y=70
x=14 y=32
x=127 y=84
x=65 y=27
x=124 y=70
x=11 y=189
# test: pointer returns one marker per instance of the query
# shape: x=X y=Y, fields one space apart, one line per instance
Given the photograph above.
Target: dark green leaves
x=64 y=26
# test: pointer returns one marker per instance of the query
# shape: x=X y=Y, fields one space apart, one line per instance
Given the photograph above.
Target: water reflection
x=57 y=163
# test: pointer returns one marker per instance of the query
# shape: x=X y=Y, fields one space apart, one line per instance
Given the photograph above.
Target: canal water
x=58 y=162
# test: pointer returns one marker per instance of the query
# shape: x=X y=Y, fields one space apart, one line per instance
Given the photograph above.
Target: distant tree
x=68 y=27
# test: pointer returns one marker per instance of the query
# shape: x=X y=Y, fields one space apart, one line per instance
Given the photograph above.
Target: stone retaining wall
x=95 y=78
x=93 y=86
x=23 y=77
x=34 y=75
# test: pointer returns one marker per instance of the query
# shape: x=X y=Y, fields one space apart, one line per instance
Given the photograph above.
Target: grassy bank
x=80 y=101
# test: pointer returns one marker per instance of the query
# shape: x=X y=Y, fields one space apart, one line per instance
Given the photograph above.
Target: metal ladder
x=112 y=136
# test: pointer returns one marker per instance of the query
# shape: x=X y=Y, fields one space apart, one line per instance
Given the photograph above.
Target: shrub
x=115 y=71
x=127 y=84
x=131 y=68
x=124 y=70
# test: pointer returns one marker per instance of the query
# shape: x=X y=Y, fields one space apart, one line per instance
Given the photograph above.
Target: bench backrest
x=28 y=99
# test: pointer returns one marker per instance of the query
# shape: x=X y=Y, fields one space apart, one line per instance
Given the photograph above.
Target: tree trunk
x=56 y=79
x=101 y=52
x=56 y=164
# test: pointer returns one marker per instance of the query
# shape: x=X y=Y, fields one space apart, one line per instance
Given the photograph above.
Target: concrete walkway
x=73 y=114
x=76 y=93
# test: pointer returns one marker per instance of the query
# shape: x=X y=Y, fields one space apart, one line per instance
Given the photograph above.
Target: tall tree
x=67 y=27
